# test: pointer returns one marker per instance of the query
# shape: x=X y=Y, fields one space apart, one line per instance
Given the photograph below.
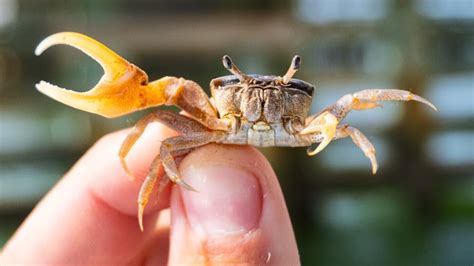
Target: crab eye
x=296 y=62
x=229 y=65
x=295 y=65
x=227 y=62
x=302 y=86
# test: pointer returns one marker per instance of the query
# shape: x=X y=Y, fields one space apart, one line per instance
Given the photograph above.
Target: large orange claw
x=122 y=89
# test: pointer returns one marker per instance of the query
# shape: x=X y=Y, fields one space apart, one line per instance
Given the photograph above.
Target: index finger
x=90 y=215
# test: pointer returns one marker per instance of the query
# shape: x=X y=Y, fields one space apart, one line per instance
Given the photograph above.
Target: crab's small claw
x=326 y=123
x=367 y=99
x=122 y=89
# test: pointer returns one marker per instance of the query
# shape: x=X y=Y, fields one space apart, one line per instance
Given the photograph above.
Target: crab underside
x=245 y=109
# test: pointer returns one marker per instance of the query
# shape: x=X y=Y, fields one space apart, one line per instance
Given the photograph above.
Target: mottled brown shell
x=262 y=98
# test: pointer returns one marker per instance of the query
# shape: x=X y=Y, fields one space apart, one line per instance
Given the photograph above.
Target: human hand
x=90 y=216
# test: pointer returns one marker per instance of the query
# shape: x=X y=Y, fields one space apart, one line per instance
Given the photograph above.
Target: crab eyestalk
x=295 y=65
x=229 y=65
x=122 y=89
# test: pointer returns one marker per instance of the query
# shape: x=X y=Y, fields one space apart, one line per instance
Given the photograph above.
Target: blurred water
x=8 y=12
x=452 y=148
x=453 y=94
x=446 y=9
x=327 y=11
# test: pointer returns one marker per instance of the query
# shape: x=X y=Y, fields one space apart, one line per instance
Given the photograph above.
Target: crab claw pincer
x=122 y=89
x=326 y=124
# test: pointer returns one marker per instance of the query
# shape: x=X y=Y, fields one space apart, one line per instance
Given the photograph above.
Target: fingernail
x=228 y=201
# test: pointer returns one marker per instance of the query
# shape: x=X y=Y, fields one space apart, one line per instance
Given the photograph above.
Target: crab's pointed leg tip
x=190 y=188
x=140 y=216
x=425 y=101
x=432 y=106
x=373 y=162
x=374 y=169
x=186 y=186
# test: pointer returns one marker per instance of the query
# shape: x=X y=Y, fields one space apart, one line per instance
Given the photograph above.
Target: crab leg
x=174 y=121
x=149 y=183
x=147 y=188
x=124 y=87
x=178 y=143
x=326 y=121
x=361 y=141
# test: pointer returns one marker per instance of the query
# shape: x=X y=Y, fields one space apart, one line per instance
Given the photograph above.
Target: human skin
x=238 y=215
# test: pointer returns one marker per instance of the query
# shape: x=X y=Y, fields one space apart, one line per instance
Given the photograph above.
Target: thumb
x=238 y=215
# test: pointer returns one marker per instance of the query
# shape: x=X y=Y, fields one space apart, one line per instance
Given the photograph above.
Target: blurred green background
x=417 y=210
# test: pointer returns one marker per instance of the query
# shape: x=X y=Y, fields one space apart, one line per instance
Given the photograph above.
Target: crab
x=259 y=110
